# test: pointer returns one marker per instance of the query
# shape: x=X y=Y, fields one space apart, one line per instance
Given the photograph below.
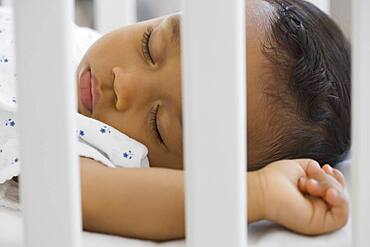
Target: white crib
x=50 y=173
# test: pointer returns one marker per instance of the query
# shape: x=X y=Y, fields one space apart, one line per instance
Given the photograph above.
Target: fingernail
x=330 y=169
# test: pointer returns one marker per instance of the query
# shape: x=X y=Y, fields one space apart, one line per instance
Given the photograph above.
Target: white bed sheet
x=261 y=234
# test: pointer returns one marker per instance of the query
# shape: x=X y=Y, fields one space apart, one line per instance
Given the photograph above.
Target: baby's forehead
x=259 y=14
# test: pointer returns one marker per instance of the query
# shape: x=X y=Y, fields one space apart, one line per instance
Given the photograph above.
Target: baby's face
x=136 y=84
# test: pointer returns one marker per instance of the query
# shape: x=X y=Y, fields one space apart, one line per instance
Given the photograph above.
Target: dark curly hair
x=309 y=86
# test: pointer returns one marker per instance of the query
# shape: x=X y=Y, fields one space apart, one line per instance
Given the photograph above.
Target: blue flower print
x=10 y=122
x=81 y=133
x=15 y=161
x=4 y=59
x=105 y=129
x=128 y=154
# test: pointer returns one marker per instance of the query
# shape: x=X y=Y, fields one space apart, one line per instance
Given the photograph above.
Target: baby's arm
x=145 y=203
x=149 y=203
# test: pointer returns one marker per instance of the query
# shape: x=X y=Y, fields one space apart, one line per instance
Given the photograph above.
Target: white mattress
x=260 y=234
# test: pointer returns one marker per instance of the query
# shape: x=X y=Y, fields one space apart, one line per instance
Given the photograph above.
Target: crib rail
x=361 y=122
x=46 y=92
x=214 y=91
x=215 y=172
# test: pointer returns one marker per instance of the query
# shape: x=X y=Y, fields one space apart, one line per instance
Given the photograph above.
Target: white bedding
x=262 y=234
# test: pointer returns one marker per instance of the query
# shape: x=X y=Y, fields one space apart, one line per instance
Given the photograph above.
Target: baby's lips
x=85 y=90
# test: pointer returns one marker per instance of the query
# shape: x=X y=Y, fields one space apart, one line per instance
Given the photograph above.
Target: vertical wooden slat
x=214 y=94
x=361 y=123
x=50 y=191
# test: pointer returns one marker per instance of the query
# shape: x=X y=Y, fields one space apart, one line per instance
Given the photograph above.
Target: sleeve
x=118 y=148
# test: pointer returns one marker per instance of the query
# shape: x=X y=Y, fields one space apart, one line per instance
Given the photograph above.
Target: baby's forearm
x=256 y=205
x=145 y=203
x=141 y=203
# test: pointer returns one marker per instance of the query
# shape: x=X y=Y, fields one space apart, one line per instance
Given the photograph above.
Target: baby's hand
x=304 y=197
x=325 y=190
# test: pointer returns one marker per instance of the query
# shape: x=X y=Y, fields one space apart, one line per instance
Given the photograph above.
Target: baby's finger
x=339 y=176
x=319 y=183
x=311 y=187
x=339 y=207
x=302 y=184
x=315 y=188
x=313 y=168
x=338 y=202
x=328 y=169
x=333 y=198
x=325 y=180
x=335 y=173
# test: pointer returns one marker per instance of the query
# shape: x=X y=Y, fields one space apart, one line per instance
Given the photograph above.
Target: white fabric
x=262 y=234
x=97 y=140
x=117 y=148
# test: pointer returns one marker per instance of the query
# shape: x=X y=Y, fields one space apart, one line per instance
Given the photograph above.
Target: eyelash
x=153 y=123
x=145 y=45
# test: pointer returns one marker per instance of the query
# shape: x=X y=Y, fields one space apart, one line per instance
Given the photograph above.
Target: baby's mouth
x=85 y=90
x=94 y=90
x=89 y=94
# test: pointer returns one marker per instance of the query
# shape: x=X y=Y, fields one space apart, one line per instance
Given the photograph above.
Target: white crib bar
x=361 y=123
x=214 y=94
x=50 y=191
x=112 y=14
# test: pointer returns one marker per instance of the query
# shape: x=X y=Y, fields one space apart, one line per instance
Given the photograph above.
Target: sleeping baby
x=298 y=67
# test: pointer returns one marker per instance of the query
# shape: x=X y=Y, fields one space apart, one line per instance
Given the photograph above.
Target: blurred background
x=105 y=15
x=340 y=10
x=144 y=9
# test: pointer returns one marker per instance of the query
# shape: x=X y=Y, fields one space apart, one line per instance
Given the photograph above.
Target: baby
x=298 y=107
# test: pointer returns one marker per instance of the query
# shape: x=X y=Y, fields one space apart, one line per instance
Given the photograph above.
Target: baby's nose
x=125 y=89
